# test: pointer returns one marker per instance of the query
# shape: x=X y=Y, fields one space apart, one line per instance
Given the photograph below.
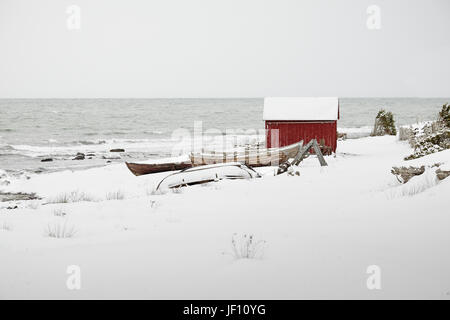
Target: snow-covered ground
x=322 y=230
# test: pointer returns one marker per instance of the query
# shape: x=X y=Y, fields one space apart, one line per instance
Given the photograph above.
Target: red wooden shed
x=289 y=120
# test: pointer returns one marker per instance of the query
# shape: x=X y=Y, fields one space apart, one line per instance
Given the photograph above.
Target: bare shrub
x=247 y=247
x=153 y=204
x=416 y=185
x=59 y=212
x=60 y=230
x=74 y=196
x=116 y=195
x=6 y=226
x=154 y=192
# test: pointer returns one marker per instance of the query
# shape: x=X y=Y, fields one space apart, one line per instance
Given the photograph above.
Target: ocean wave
x=153 y=132
x=115 y=133
x=88 y=142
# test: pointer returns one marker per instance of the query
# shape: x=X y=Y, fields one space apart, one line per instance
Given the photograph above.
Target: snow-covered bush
x=59 y=229
x=404 y=174
x=416 y=184
x=384 y=124
x=430 y=143
x=406 y=133
x=432 y=136
x=247 y=247
x=444 y=115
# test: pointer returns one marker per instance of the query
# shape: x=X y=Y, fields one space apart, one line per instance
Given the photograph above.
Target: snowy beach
x=321 y=231
x=224 y=159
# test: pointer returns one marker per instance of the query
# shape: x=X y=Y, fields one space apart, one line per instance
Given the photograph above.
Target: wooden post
x=247 y=156
x=301 y=155
x=257 y=153
x=319 y=153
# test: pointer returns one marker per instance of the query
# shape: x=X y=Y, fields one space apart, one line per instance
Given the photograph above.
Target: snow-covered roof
x=301 y=108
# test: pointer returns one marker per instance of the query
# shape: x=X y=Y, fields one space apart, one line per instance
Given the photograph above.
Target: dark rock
x=117 y=150
x=47 y=160
x=79 y=156
x=11 y=196
x=109 y=161
x=341 y=136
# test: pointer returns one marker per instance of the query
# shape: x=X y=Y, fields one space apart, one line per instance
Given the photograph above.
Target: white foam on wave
x=160 y=145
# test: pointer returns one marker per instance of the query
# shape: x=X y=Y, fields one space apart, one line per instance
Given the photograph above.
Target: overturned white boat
x=207 y=173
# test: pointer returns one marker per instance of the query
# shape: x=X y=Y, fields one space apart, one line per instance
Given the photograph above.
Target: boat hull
x=251 y=158
x=139 y=169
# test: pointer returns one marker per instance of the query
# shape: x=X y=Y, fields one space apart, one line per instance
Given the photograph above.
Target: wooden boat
x=253 y=158
x=139 y=169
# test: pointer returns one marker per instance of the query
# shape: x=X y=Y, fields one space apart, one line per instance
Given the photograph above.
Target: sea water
x=35 y=129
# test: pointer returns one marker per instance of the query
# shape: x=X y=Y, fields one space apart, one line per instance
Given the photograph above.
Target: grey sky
x=224 y=48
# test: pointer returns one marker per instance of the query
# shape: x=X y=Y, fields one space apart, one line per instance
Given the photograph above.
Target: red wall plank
x=290 y=132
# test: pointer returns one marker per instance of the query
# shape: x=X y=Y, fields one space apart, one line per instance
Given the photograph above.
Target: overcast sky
x=224 y=48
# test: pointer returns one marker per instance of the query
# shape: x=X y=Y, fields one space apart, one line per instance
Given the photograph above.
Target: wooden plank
x=319 y=153
x=301 y=155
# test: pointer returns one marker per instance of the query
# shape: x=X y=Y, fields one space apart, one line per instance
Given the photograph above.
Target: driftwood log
x=406 y=173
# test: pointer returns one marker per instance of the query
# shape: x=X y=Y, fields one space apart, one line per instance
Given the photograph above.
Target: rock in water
x=117 y=150
x=79 y=156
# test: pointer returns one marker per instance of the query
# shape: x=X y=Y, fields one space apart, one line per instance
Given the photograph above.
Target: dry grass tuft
x=116 y=195
x=69 y=197
x=60 y=230
x=247 y=247
x=6 y=226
